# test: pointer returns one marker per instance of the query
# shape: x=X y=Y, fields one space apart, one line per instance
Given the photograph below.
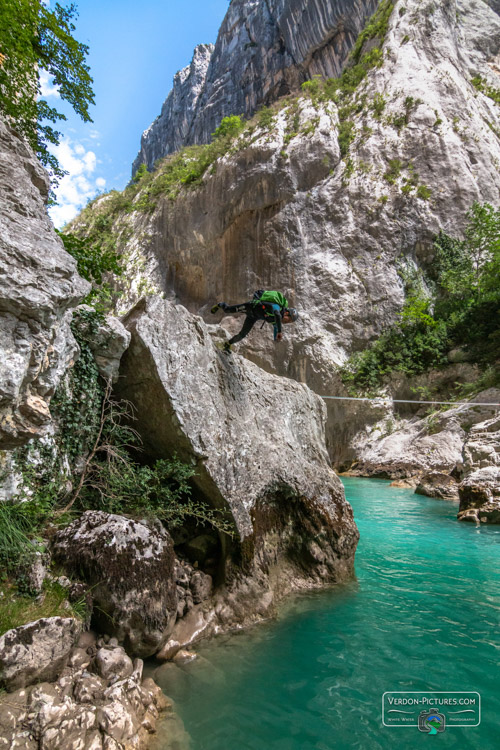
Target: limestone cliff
x=265 y=49
x=328 y=200
x=39 y=286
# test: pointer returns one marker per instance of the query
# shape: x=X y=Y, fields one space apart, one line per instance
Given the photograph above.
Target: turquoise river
x=422 y=615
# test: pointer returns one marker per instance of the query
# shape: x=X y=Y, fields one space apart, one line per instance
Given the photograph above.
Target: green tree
x=468 y=270
x=482 y=237
x=93 y=260
x=35 y=38
x=229 y=127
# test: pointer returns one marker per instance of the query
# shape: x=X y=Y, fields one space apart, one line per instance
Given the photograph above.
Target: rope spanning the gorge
x=404 y=401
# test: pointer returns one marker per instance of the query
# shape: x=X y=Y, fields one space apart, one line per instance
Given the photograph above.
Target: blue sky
x=135 y=50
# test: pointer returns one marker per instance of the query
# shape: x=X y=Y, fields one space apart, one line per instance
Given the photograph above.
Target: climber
x=270 y=307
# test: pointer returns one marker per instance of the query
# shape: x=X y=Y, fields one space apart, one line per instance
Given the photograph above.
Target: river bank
x=422 y=615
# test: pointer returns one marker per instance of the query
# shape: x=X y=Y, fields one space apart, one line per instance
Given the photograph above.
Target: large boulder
x=257 y=441
x=37 y=651
x=39 y=286
x=130 y=566
x=480 y=496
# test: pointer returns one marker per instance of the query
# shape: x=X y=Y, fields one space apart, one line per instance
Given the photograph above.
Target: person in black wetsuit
x=257 y=309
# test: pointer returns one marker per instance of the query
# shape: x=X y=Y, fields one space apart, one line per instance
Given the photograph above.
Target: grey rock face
x=130 y=566
x=37 y=651
x=425 y=447
x=257 y=439
x=265 y=49
x=170 y=131
x=38 y=285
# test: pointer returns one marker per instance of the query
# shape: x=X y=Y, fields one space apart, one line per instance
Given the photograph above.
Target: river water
x=422 y=615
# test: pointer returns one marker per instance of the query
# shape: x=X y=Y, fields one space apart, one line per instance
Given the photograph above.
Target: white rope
x=404 y=401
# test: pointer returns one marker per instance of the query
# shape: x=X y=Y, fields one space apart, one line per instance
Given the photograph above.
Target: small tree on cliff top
x=34 y=38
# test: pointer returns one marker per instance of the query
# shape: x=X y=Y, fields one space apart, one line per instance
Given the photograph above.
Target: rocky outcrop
x=452 y=454
x=170 y=131
x=88 y=707
x=480 y=490
x=265 y=49
x=37 y=651
x=439 y=485
x=425 y=446
x=107 y=339
x=39 y=286
x=257 y=441
x=129 y=565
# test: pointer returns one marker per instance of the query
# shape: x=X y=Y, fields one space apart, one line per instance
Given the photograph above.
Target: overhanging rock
x=258 y=440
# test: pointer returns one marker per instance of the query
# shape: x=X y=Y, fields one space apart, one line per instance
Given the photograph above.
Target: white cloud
x=46 y=87
x=79 y=185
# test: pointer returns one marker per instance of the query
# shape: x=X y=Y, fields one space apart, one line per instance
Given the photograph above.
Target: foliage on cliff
x=35 y=38
x=455 y=303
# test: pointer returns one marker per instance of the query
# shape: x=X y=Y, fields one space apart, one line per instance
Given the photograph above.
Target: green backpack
x=275 y=297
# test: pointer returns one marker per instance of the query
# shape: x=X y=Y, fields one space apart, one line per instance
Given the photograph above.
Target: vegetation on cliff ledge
x=455 y=303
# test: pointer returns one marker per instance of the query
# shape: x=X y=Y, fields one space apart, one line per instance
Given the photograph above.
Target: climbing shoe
x=215 y=309
x=224 y=346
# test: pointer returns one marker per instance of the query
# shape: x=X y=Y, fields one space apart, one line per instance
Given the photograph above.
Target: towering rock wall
x=265 y=49
x=286 y=211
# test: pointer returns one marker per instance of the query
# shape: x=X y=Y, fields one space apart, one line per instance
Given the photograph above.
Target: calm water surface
x=423 y=614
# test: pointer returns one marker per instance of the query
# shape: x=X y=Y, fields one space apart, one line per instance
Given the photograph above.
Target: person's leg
x=237 y=308
x=247 y=326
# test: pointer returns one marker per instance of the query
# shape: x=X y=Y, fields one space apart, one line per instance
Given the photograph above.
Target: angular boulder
x=37 y=651
x=130 y=566
x=107 y=342
x=437 y=484
x=257 y=440
x=39 y=285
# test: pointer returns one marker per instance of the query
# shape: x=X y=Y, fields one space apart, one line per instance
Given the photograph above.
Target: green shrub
x=375 y=28
x=229 y=127
x=266 y=118
x=378 y=105
x=464 y=309
x=312 y=88
x=424 y=192
x=482 y=85
x=394 y=171
x=140 y=174
x=93 y=259
x=347 y=134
